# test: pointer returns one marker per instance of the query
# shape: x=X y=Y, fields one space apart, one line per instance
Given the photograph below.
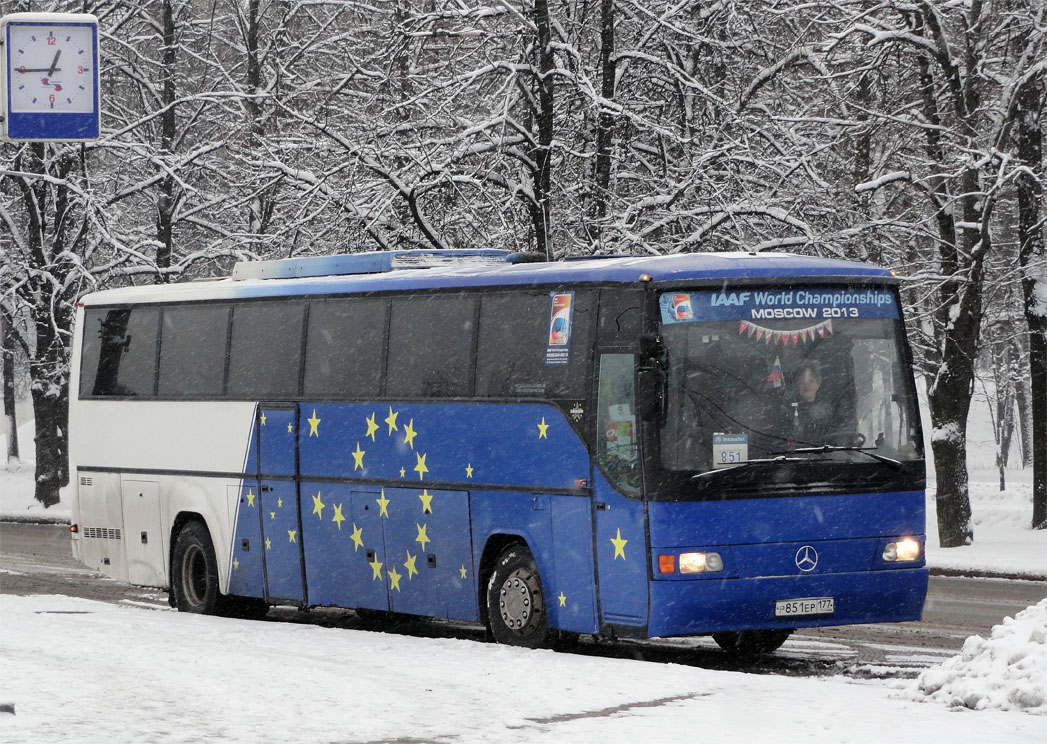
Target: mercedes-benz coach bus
x=723 y=444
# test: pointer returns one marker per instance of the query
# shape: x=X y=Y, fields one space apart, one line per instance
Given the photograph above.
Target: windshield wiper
x=782 y=457
x=867 y=451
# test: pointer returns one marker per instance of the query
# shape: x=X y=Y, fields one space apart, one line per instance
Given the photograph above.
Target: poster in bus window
x=682 y=309
x=558 y=349
x=620 y=433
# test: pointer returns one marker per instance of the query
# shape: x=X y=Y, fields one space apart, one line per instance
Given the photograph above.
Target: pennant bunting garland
x=767 y=335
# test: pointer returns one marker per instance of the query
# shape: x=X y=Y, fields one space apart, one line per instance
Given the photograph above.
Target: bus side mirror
x=650 y=392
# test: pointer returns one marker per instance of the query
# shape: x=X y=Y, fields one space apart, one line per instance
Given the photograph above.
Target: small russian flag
x=776 y=379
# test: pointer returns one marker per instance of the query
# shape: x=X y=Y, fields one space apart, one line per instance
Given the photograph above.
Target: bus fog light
x=700 y=562
x=713 y=562
x=905 y=549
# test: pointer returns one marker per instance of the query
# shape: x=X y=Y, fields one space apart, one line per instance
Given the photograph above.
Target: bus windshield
x=784 y=375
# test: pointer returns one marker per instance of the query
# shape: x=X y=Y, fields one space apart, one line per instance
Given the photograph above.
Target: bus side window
x=512 y=352
x=431 y=345
x=345 y=348
x=119 y=352
x=616 y=423
x=265 y=350
x=193 y=341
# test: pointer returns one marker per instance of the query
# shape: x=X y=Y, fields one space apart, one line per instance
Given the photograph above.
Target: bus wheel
x=751 y=643
x=516 y=602
x=194 y=575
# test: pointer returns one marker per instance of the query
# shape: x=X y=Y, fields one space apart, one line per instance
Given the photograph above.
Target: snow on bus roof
x=381 y=271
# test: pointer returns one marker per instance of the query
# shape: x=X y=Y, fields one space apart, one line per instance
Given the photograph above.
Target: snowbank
x=1006 y=672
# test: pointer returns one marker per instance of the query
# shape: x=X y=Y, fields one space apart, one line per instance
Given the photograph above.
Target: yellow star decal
x=409 y=565
x=461 y=571
x=358 y=458
x=280 y=502
x=563 y=599
x=427 y=501
x=272 y=515
x=394 y=580
x=250 y=497
x=262 y=419
x=372 y=427
x=376 y=568
x=236 y=564
x=391 y=420
x=403 y=472
x=314 y=425
x=318 y=505
x=357 y=537
x=338 y=518
x=268 y=544
x=542 y=429
x=292 y=535
x=420 y=468
x=619 y=545
x=422 y=537
x=383 y=505
x=289 y=428
x=469 y=470
x=410 y=433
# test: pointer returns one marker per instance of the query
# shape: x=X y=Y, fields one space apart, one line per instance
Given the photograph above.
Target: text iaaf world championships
x=830 y=302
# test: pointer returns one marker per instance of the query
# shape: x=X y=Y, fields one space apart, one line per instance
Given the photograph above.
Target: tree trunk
x=7 y=345
x=604 y=125
x=50 y=410
x=166 y=202
x=949 y=409
x=1022 y=398
x=260 y=207
x=1032 y=257
x=543 y=151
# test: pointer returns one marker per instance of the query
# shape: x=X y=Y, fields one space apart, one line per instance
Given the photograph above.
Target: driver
x=811 y=415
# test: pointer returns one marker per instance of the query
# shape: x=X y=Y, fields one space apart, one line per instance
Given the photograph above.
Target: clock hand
x=48 y=70
x=54 y=64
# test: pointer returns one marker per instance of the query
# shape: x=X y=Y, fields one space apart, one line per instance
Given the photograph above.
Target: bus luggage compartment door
x=143 y=537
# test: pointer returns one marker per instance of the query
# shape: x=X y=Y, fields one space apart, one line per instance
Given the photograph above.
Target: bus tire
x=516 y=611
x=749 y=644
x=194 y=572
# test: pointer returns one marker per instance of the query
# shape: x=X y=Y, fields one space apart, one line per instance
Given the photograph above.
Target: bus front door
x=278 y=491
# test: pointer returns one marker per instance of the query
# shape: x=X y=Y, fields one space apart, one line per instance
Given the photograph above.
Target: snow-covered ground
x=78 y=670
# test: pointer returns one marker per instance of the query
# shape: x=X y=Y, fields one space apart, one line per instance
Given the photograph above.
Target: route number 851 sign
x=50 y=77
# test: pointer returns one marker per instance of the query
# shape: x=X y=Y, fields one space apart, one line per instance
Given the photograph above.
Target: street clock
x=50 y=76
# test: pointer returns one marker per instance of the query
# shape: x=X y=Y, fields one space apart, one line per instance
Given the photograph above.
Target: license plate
x=806 y=606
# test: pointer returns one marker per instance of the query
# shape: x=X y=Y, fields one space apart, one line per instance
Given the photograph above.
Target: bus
x=722 y=444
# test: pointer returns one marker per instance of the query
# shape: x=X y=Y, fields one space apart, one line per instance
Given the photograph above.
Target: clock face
x=50 y=68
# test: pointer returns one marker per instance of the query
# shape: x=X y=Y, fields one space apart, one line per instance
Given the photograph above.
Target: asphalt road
x=36 y=559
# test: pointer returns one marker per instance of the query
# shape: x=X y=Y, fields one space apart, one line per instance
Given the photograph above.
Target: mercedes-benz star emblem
x=806 y=558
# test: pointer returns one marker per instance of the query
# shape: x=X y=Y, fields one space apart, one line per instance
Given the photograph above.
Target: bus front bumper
x=730 y=604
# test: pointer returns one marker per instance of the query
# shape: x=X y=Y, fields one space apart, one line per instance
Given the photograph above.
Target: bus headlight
x=700 y=562
x=905 y=549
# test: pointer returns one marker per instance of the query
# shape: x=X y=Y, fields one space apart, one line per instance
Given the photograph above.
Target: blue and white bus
x=723 y=444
